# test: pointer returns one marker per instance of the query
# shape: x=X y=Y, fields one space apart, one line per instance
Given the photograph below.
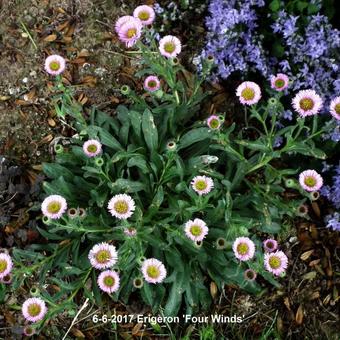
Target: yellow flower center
x=201 y=185
x=92 y=148
x=121 y=207
x=279 y=83
x=196 y=230
x=103 y=256
x=131 y=32
x=169 y=47
x=306 y=104
x=242 y=248
x=3 y=265
x=152 y=83
x=275 y=262
x=54 y=65
x=153 y=272
x=310 y=181
x=248 y=93
x=143 y=15
x=337 y=109
x=214 y=123
x=53 y=207
x=34 y=309
x=109 y=281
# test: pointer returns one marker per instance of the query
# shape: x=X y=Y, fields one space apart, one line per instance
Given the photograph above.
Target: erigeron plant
x=158 y=201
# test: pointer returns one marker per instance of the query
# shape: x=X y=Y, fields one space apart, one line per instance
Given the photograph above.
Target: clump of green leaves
x=152 y=149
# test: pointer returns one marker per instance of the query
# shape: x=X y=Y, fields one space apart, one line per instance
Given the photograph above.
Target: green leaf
x=175 y=297
x=55 y=170
x=127 y=185
x=194 y=136
x=146 y=293
x=136 y=121
x=149 y=130
x=274 y=5
x=105 y=137
x=139 y=162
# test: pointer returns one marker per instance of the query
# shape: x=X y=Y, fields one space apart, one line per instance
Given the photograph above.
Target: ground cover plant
x=165 y=202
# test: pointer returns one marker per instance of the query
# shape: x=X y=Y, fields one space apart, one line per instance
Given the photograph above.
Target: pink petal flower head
x=270 y=245
x=276 y=262
x=335 y=108
x=108 y=281
x=55 y=64
x=250 y=275
x=249 y=93
x=196 y=230
x=28 y=330
x=34 y=309
x=145 y=14
x=170 y=46
x=121 y=206
x=121 y=21
x=103 y=256
x=153 y=271
x=92 y=148
x=6 y=265
x=310 y=180
x=279 y=82
x=7 y=279
x=54 y=206
x=130 y=32
x=307 y=103
x=152 y=84
x=202 y=184
x=130 y=231
x=214 y=122
x=244 y=248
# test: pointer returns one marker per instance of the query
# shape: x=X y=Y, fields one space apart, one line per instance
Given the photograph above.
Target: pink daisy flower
x=335 y=108
x=276 y=263
x=310 y=180
x=250 y=275
x=307 y=103
x=103 y=256
x=121 y=21
x=244 y=248
x=55 y=64
x=130 y=32
x=214 y=122
x=54 y=206
x=121 y=206
x=279 y=82
x=130 y=232
x=145 y=14
x=249 y=93
x=170 y=46
x=34 y=309
x=7 y=279
x=152 y=84
x=92 y=148
x=153 y=270
x=28 y=330
x=270 y=245
x=6 y=265
x=202 y=184
x=196 y=230
x=108 y=281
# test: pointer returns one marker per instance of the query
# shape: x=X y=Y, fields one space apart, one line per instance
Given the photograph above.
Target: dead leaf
x=213 y=289
x=136 y=329
x=50 y=38
x=305 y=256
x=51 y=122
x=77 y=333
x=299 y=315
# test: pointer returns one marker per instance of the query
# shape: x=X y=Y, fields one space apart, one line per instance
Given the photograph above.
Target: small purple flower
x=152 y=84
x=270 y=245
x=55 y=65
x=6 y=265
x=108 y=281
x=92 y=148
x=153 y=271
x=54 y=206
